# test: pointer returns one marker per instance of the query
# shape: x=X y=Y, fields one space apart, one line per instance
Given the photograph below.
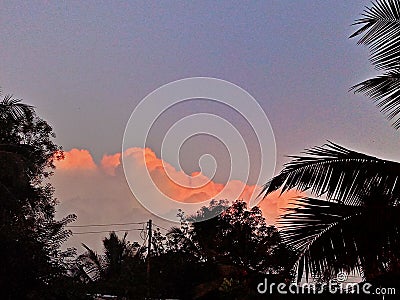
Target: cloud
x=110 y=162
x=181 y=187
x=100 y=194
x=274 y=205
x=76 y=159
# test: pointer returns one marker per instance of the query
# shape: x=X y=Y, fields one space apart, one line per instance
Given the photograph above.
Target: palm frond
x=340 y=174
x=13 y=108
x=330 y=237
x=93 y=263
x=385 y=92
x=380 y=31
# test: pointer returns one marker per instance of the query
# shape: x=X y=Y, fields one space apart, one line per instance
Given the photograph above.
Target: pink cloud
x=110 y=162
x=76 y=159
x=274 y=205
x=99 y=194
x=177 y=185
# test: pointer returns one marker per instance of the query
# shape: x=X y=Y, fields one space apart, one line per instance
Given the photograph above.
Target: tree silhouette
x=238 y=236
x=30 y=236
x=119 y=270
x=354 y=225
x=227 y=253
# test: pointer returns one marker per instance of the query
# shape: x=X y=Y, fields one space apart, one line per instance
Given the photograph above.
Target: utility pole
x=150 y=234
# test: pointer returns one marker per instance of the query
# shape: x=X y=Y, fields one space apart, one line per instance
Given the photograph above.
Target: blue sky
x=85 y=65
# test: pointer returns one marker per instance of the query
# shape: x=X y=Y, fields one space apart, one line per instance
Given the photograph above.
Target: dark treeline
x=222 y=256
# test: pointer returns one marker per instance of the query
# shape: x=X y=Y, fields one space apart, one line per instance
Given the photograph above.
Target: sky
x=86 y=66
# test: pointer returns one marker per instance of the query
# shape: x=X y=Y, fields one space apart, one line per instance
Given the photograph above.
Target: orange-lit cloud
x=180 y=187
x=76 y=159
x=110 y=162
x=174 y=183
x=99 y=194
x=274 y=204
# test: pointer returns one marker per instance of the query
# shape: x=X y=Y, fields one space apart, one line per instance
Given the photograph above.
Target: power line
x=143 y=232
x=104 y=225
x=143 y=229
x=144 y=239
x=106 y=231
x=161 y=227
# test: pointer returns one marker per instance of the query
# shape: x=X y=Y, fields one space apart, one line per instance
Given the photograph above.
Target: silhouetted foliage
x=30 y=237
x=217 y=258
x=120 y=270
x=355 y=226
x=236 y=246
x=380 y=31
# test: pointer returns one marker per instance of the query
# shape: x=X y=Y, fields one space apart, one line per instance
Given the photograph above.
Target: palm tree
x=119 y=271
x=381 y=33
x=117 y=252
x=355 y=226
x=13 y=153
x=12 y=113
x=353 y=222
x=13 y=110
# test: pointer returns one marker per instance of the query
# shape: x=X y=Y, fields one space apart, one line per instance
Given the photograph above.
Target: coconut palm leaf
x=316 y=229
x=380 y=31
x=93 y=264
x=116 y=252
x=338 y=173
x=384 y=90
x=331 y=237
x=358 y=227
x=13 y=109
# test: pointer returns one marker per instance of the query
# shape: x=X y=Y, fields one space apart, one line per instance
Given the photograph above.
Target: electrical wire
x=161 y=227
x=104 y=225
x=106 y=231
x=144 y=231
